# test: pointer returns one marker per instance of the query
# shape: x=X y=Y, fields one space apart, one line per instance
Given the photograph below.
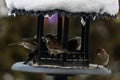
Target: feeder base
x=61 y=70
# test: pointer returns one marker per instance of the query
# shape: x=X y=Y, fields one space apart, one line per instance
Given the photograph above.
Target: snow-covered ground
x=88 y=6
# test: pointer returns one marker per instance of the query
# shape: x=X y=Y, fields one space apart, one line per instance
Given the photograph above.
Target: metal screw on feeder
x=63 y=65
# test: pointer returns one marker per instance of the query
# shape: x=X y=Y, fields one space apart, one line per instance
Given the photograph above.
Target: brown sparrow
x=53 y=45
x=102 y=57
x=28 y=43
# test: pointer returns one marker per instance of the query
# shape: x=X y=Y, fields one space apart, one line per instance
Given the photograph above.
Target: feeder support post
x=85 y=39
x=66 y=31
x=59 y=29
x=40 y=33
x=60 y=77
x=65 y=35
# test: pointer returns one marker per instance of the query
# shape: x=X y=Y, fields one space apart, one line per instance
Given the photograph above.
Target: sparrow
x=53 y=45
x=74 y=44
x=102 y=57
x=28 y=43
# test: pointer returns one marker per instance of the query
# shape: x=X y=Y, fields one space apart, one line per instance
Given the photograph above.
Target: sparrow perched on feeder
x=53 y=45
x=74 y=44
x=28 y=43
x=102 y=57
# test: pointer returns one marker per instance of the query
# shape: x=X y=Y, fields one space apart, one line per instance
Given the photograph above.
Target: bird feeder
x=77 y=62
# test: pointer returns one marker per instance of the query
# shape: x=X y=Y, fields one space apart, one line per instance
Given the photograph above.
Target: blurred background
x=104 y=33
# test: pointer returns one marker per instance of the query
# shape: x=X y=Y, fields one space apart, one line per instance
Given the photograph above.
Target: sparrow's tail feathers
x=68 y=52
x=13 y=44
x=27 y=39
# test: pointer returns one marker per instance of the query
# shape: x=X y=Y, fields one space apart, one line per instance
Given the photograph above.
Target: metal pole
x=59 y=29
x=66 y=29
x=65 y=35
x=40 y=33
x=85 y=39
x=60 y=77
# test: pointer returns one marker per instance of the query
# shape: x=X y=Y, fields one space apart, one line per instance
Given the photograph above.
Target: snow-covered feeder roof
x=102 y=7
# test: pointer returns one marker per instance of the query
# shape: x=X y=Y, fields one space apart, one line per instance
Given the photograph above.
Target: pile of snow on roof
x=75 y=6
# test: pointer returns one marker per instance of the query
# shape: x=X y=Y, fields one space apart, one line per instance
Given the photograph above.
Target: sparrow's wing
x=58 y=45
x=35 y=41
x=107 y=61
x=54 y=45
x=31 y=40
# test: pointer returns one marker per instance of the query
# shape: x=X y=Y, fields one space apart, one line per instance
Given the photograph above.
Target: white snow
x=99 y=6
x=83 y=21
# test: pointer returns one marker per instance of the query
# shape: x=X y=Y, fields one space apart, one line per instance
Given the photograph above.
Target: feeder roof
x=109 y=7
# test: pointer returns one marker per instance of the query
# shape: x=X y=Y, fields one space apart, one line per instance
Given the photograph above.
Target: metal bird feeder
x=75 y=58
x=62 y=65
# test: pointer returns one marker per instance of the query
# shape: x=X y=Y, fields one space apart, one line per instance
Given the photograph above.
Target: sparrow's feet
x=35 y=61
x=25 y=62
x=97 y=66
